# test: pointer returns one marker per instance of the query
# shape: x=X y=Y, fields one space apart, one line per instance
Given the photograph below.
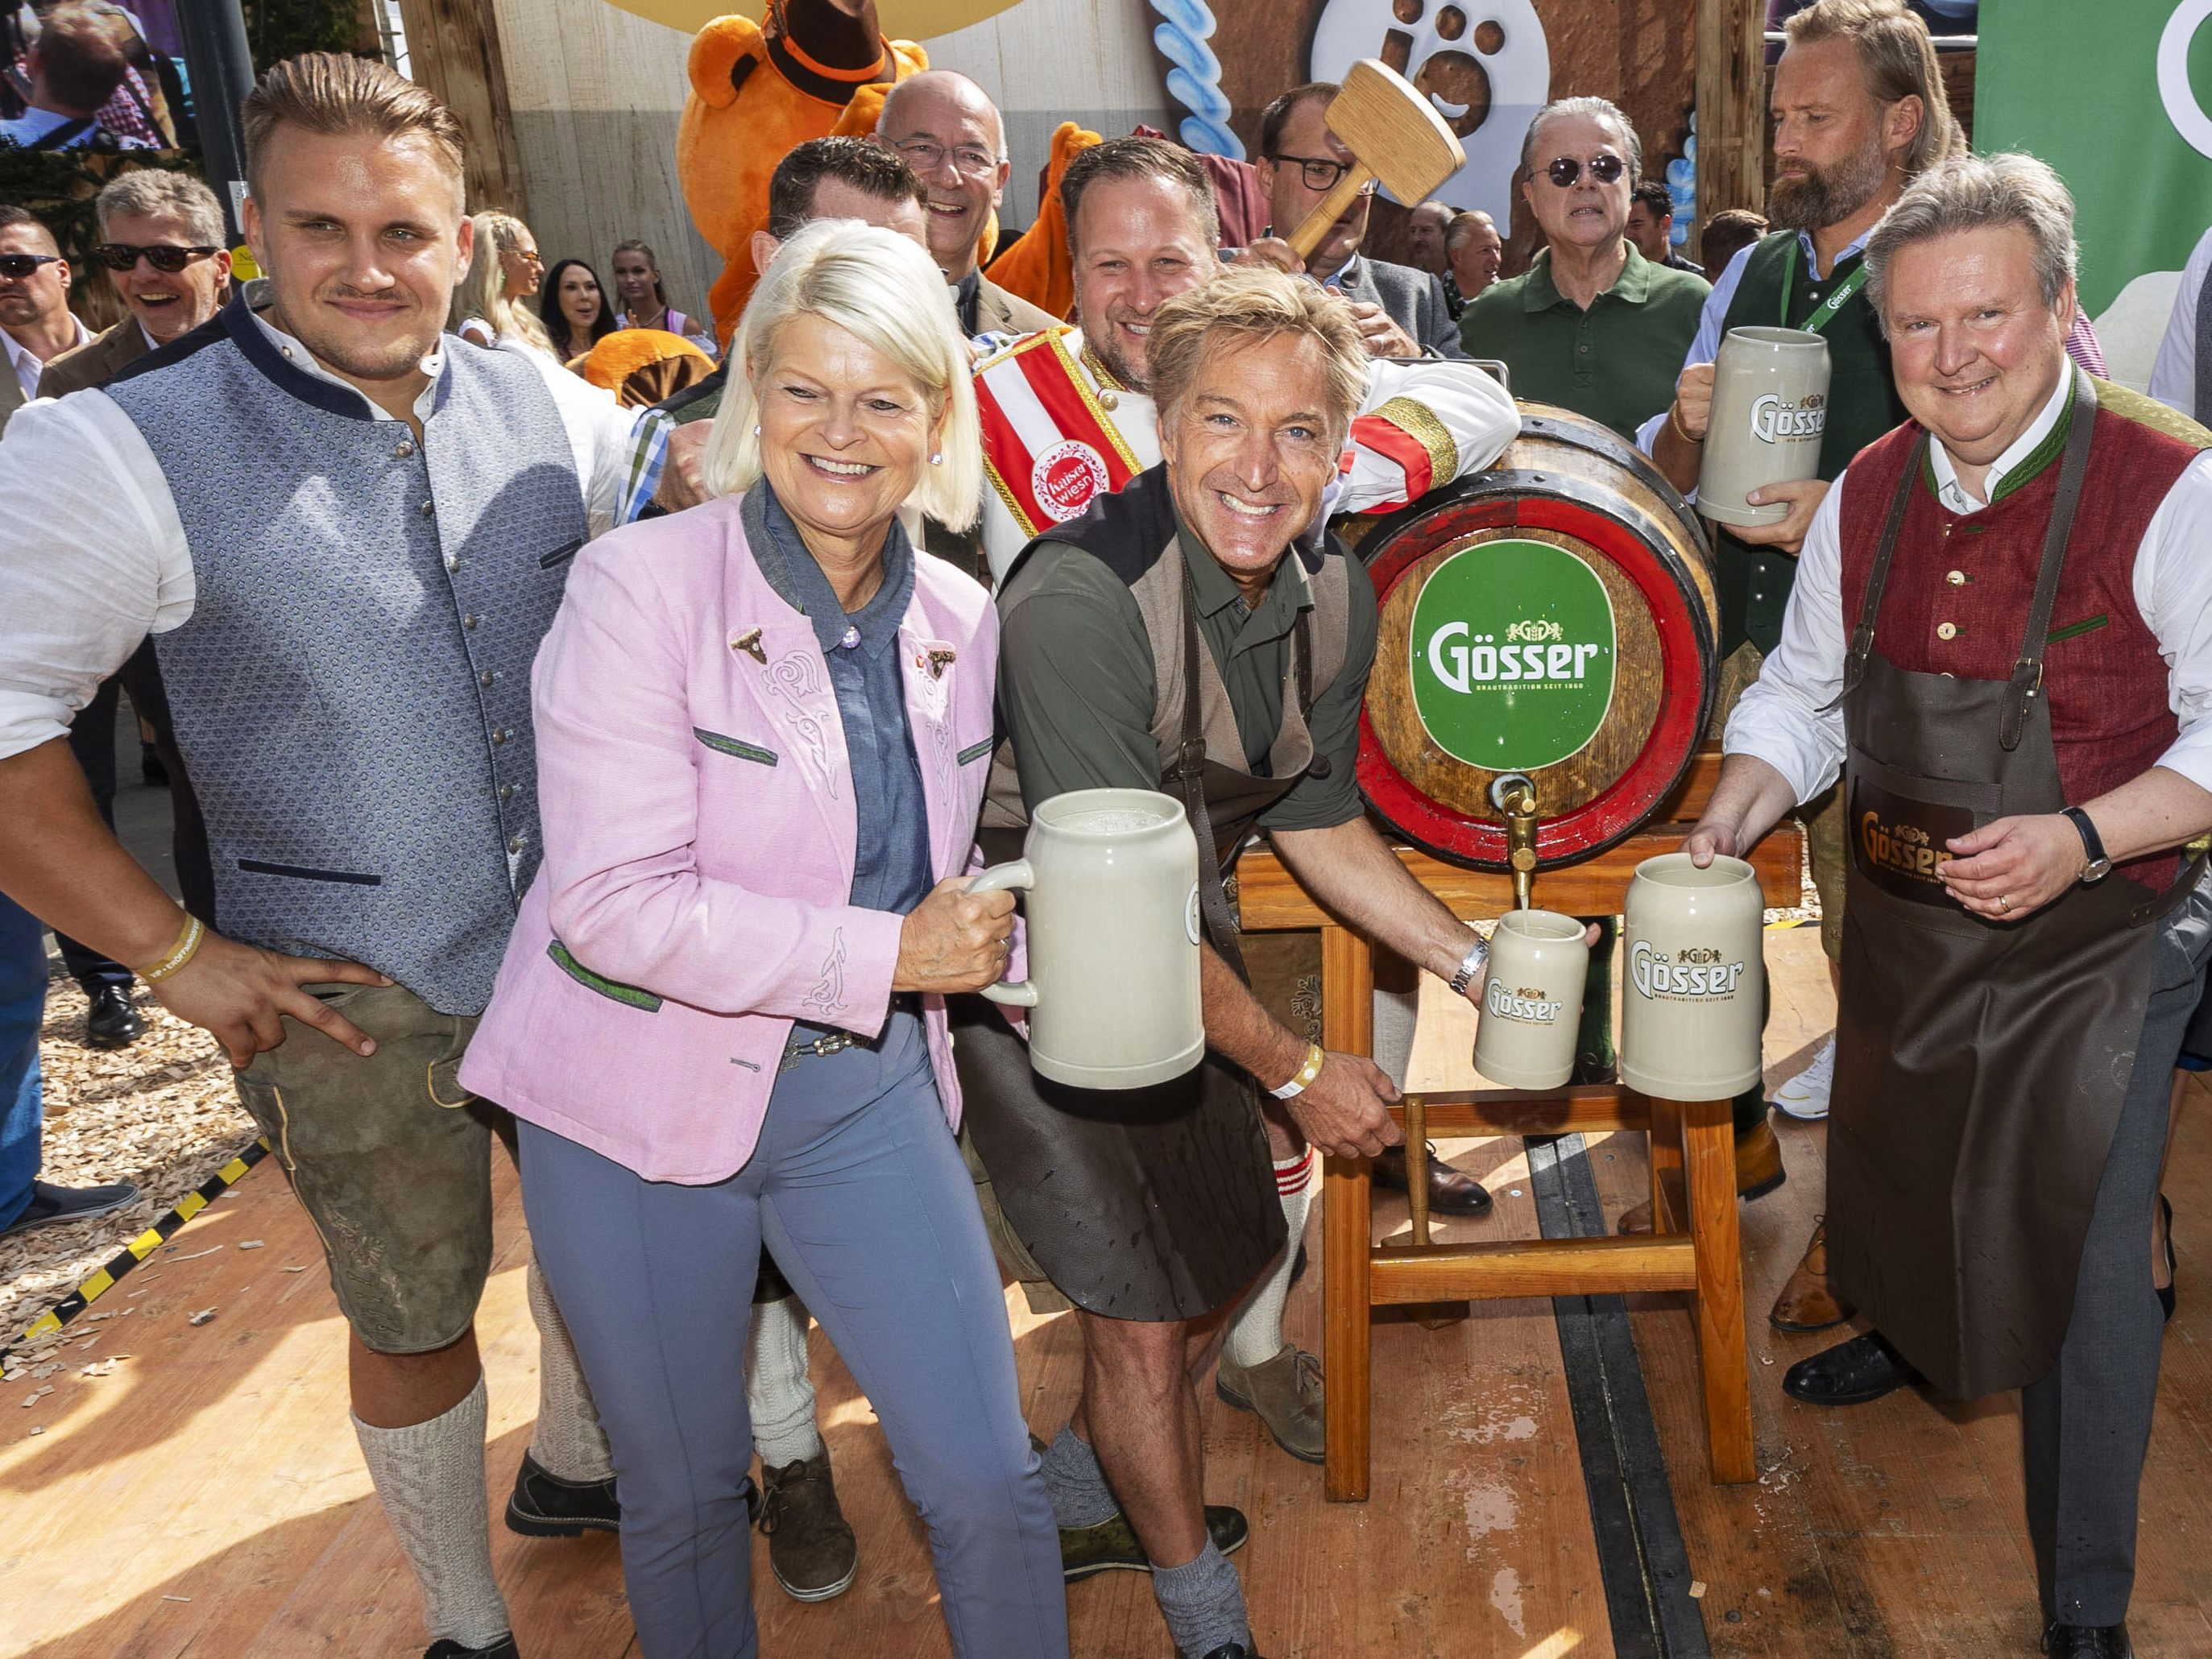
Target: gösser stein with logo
x=1769 y=413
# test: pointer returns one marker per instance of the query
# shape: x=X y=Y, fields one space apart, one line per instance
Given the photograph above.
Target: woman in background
x=574 y=308
x=504 y=270
x=645 y=298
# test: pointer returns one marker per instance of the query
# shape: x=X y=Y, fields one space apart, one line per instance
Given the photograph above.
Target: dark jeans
x=23 y=1009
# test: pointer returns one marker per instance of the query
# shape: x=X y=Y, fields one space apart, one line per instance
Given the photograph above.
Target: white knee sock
x=1392 y=1047
x=1256 y=1335
x=779 y=1391
x=430 y=1477
x=568 y=1441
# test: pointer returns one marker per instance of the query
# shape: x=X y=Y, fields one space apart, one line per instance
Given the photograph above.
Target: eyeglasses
x=1322 y=173
x=162 y=256
x=1606 y=169
x=17 y=266
x=925 y=158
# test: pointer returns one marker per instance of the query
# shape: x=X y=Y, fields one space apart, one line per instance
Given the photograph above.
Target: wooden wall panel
x=454 y=51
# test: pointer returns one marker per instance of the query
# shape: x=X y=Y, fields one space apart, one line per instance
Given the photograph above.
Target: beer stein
x=1693 y=997
x=1111 y=880
x=1532 y=1002
x=1770 y=412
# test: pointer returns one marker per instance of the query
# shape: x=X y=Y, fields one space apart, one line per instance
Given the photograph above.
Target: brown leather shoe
x=1286 y=1394
x=1450 y=1193
x=1758 y=1171
x=1809 y=1302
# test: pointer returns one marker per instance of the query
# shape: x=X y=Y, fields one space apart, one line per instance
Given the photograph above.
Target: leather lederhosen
x=1980 y=1066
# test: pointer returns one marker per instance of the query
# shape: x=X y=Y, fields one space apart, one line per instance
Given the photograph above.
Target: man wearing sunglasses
x=160 y=243
x=1401 y=312
x=36 y=324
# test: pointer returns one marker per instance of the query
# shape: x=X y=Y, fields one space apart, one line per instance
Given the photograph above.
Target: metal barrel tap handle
x=1513 y=793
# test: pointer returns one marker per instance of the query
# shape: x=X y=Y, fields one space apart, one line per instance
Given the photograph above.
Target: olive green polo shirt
x=1077 y=687
x=1615 y=363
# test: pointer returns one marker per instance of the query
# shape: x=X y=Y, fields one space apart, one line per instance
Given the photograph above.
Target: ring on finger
x=2004 y=903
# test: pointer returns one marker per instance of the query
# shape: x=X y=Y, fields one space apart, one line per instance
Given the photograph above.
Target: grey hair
x=1464 y=225
x=148 y=193
x=1598 y=109
x=1971 y=192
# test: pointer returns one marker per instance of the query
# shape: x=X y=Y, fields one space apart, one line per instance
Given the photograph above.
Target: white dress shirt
x=28 y=366
x=92 y=555
x=2173 y=372
x=1786 y=719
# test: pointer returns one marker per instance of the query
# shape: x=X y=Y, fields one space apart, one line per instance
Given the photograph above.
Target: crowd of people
x=596 y=761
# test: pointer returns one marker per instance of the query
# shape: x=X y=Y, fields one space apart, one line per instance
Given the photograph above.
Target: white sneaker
x=1805 y=1097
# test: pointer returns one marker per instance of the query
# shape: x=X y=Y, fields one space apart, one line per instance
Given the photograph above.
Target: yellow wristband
x=1674 y=420
x=1305 y=1075
x=186 y=947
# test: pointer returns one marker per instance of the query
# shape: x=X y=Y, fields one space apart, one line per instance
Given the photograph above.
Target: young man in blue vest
x=346 y=540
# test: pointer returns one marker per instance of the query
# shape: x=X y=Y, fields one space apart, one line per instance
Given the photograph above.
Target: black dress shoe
x=2088 y=1642
x=112 y=1022
x=545 y=1506
x=1849 y=1374
x=50 y=1205
x=1450 y=1193
x=446 y=1648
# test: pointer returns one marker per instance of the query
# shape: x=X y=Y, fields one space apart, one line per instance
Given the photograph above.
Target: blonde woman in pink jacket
x=764 y=727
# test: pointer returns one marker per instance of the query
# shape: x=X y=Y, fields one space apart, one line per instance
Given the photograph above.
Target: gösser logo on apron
x=1980 y=1066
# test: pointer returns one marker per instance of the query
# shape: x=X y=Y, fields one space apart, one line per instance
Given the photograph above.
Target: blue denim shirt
x=890 y=866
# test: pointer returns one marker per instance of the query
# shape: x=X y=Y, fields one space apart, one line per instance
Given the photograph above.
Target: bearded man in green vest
x=1859 y=112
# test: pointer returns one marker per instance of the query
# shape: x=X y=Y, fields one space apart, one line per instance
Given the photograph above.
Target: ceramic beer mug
x=1531 y=1003
x=1110 y=877
x=1691 y=1006
x=1770 y=410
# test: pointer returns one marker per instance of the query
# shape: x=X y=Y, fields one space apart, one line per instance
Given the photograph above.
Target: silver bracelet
x=1470 y=966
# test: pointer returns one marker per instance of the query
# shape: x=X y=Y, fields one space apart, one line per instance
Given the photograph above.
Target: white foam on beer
x=1113 y=820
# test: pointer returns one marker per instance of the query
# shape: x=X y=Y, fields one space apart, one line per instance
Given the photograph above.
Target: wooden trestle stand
x=1693 y=1246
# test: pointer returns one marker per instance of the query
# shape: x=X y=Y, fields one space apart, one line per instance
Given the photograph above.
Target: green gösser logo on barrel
x=1513 y=655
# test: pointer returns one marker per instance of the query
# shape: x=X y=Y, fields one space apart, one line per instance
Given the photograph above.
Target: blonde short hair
x=334 y=92
x=880 y=288
x=1245 y=307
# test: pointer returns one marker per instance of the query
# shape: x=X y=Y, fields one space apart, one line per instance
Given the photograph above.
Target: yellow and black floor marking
x=140 y=1248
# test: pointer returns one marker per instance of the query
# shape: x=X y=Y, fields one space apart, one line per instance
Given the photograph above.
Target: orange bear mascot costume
x=818 y=67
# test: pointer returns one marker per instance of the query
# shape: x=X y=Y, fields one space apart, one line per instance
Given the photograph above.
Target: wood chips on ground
x=162 y=1113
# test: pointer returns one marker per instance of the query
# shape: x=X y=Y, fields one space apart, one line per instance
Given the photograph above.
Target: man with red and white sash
x=1066 y=413
x=2002 y=632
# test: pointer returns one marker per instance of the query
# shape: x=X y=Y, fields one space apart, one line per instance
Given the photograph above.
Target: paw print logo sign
x=1484 y=63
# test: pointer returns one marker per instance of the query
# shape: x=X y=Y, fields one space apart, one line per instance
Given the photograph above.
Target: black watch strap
x=2091 y=842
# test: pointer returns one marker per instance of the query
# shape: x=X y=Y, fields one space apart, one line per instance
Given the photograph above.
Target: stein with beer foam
x=1532 y=1002
x=1770 y=412
x=1691 y=1005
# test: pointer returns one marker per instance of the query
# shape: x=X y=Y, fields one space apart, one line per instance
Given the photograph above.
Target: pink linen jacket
x=700 y=835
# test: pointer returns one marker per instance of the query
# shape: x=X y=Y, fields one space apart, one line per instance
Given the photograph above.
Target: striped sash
x=1047 y=446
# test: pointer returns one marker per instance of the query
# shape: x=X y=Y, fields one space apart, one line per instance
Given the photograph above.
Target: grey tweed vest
x=351 y=691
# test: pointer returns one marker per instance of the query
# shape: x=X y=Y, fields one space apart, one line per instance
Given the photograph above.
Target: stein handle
x=1013 y=876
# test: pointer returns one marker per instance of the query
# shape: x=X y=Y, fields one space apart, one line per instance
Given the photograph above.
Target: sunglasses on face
x=162 y=256
x=1322 y=173
x=17 y=266
x=1606 y=169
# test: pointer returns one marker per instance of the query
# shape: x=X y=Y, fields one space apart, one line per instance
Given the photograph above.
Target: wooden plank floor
x=205 y=1497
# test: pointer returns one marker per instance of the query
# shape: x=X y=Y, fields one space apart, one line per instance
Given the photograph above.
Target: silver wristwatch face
x=2097 y=870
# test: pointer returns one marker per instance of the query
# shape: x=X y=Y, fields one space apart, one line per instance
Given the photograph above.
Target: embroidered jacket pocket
x=560 y=556
x=614 y=990
x=975 y=751
x=301 y=872
x=2075 y=630
x=722 y=745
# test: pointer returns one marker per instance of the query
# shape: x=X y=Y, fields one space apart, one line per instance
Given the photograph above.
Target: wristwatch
x=1469 y=966
x=2092 y=843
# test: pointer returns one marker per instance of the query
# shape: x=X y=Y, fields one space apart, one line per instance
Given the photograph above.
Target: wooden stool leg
x=1668 y=1205
x=1347 y=997
x=1708 y=1148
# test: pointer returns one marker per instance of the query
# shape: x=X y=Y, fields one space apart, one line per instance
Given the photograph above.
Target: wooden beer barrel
x=1553 y=615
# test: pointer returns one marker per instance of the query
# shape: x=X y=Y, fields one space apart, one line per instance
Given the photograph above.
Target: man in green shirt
x=1188 y=634
x=1591 y=326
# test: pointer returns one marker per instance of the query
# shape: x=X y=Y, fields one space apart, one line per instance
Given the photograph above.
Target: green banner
x=2118 y=98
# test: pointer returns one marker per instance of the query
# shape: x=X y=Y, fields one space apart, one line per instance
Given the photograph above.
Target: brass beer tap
x=1513 y=793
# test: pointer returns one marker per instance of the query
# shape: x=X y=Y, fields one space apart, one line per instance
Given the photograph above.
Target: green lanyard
x=1825 y=312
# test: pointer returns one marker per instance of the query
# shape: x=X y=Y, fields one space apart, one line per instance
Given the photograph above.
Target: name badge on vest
x=1897 y=842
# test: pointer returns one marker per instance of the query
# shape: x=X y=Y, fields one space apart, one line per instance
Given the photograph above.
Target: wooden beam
x=1529 y=1267
x=1348 y=1017
x=453 y=49
x=1731 y=105
x=1590 y=1108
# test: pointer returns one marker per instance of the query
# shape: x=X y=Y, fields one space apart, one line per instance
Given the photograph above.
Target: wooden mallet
x=1394 y=133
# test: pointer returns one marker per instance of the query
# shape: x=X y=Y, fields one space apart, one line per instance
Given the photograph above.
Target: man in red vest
x=2002 y=632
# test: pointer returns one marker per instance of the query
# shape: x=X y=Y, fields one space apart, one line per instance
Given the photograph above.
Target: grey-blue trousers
x=859 y=1190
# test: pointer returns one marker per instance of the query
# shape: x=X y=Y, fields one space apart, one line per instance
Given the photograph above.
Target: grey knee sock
x=1203 y=1601
x=1080 y=1496
x=779 y=1388
x=430 y=1477
x=567 y=1440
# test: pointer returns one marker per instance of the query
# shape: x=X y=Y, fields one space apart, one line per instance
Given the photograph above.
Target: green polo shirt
x=1077 y=689
x=1616 y=362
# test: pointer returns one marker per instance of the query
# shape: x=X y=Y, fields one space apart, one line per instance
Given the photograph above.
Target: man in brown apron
x=1177 y=637
x=2000 y=608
